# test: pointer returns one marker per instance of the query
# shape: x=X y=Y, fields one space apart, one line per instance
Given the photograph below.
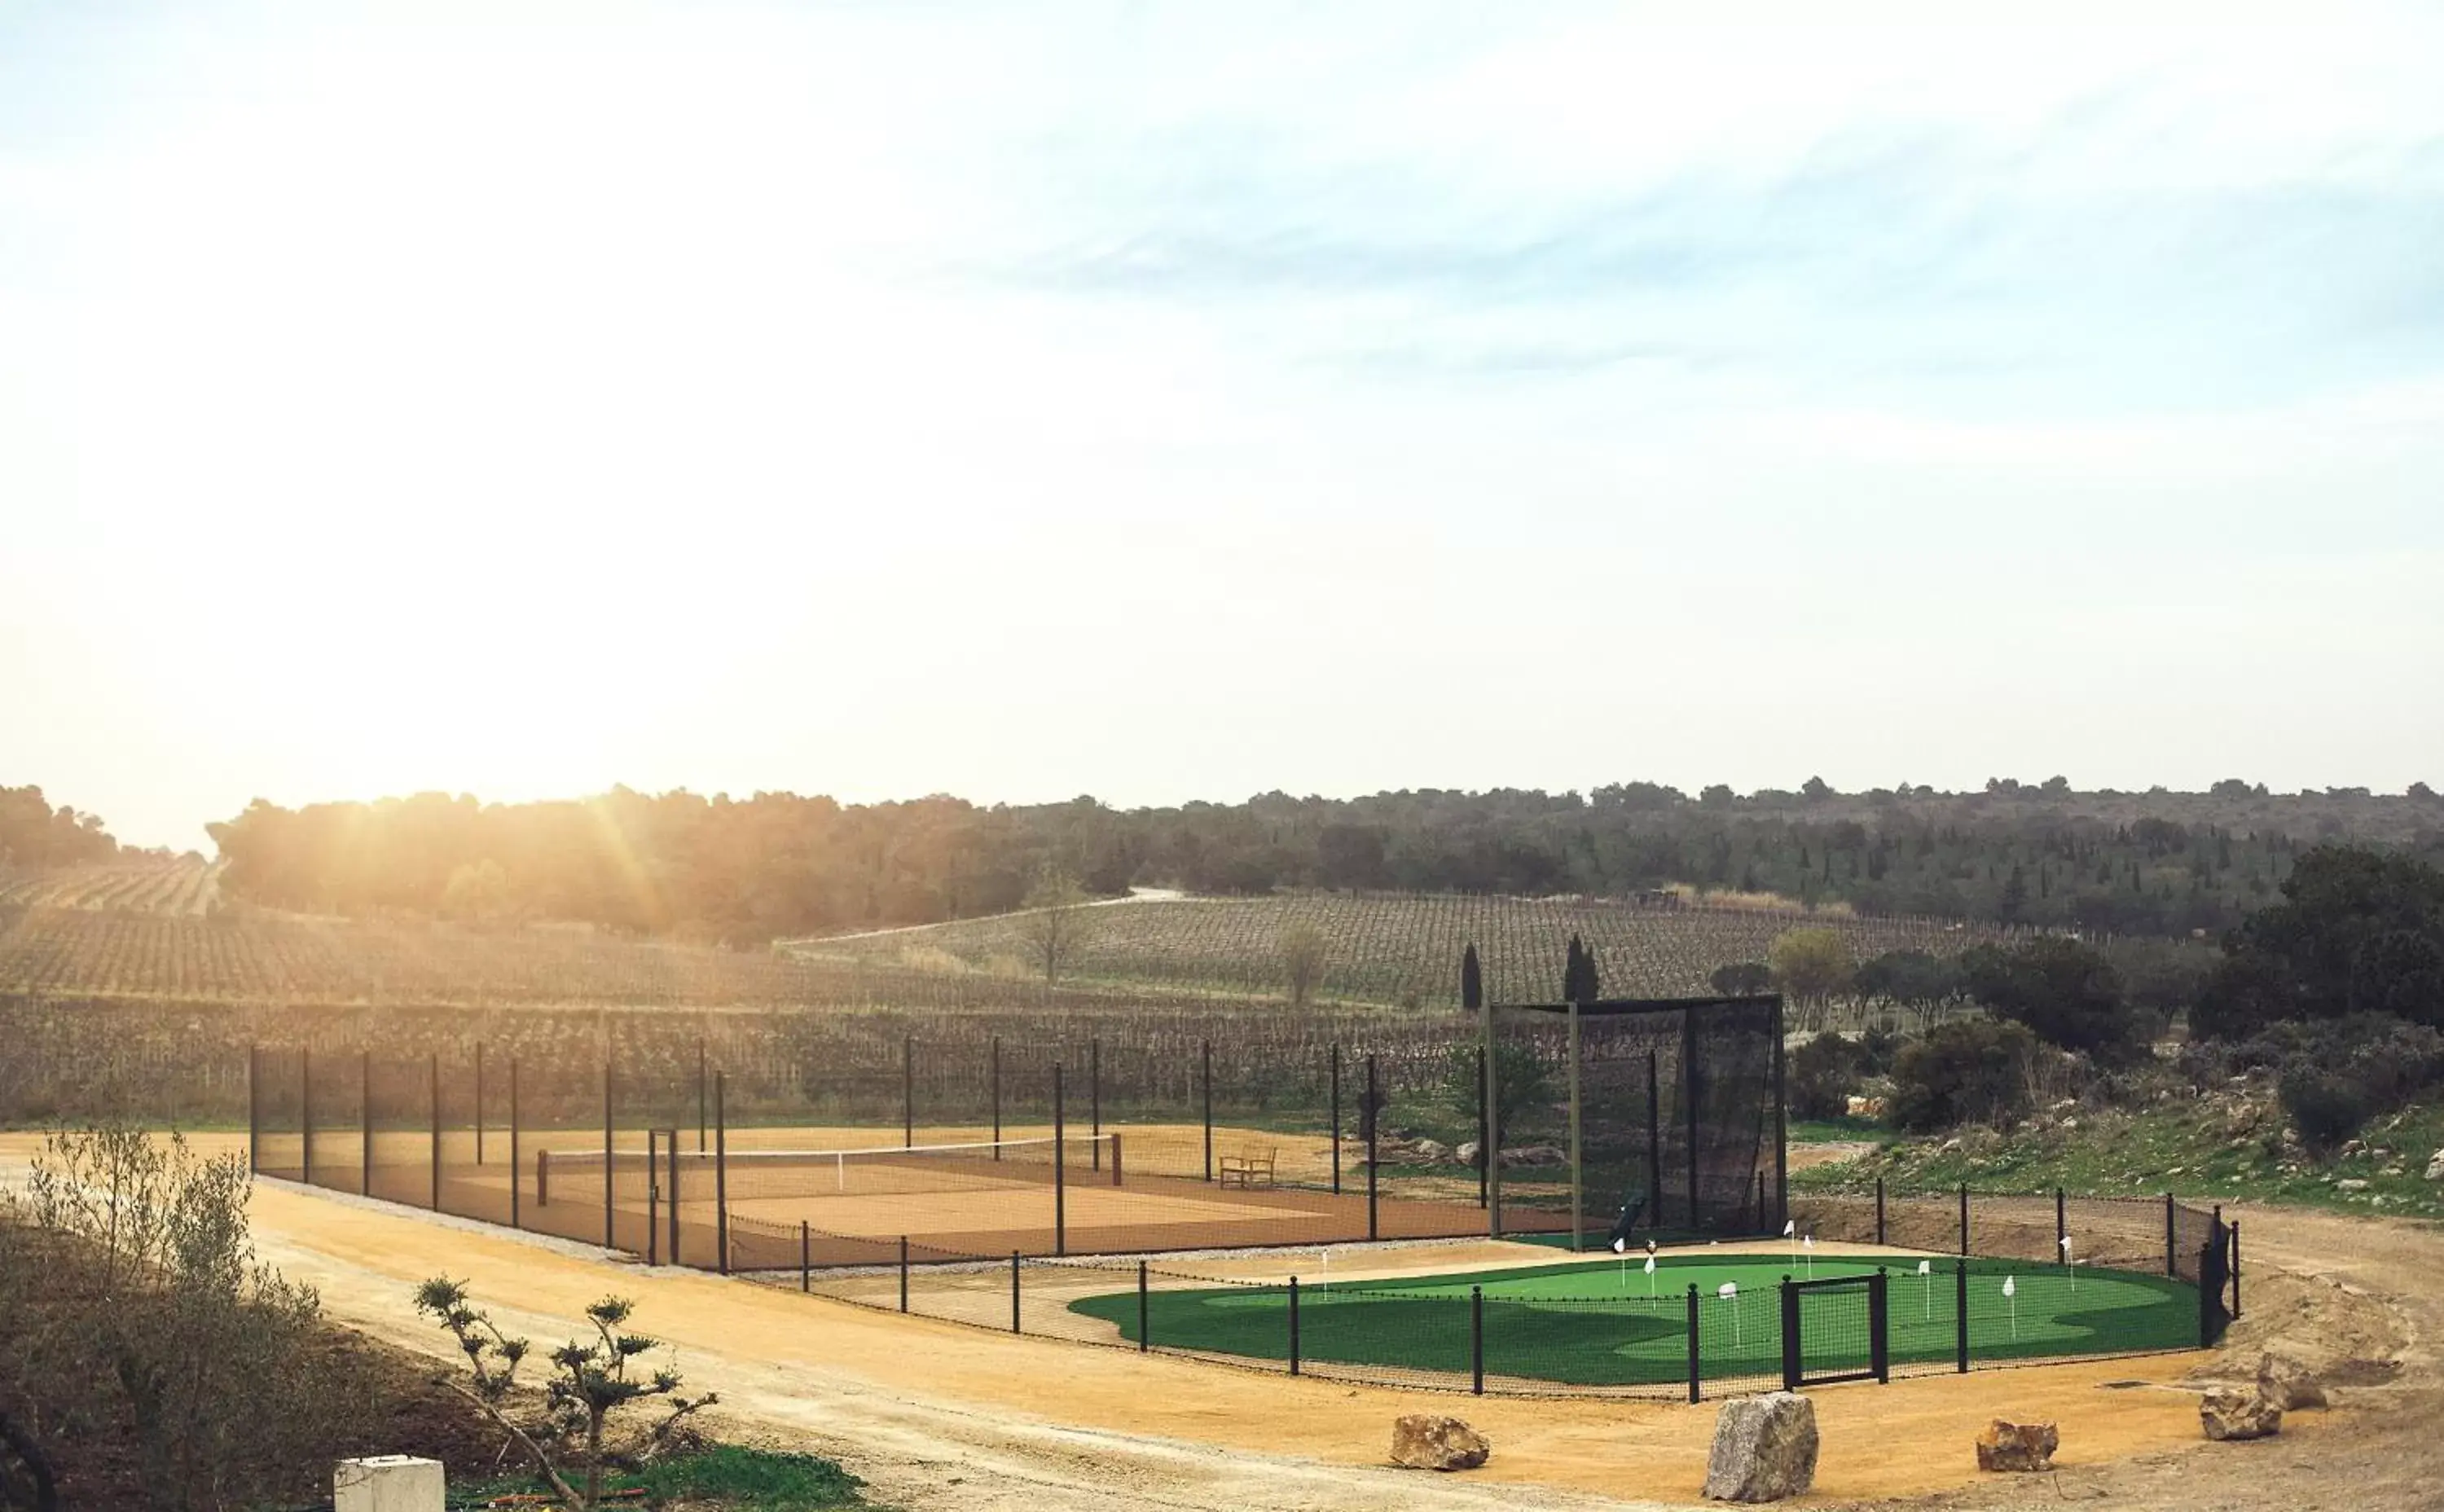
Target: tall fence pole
x=1095 y=1095
x=1781 y=1119
x=1335 y=1118
x=1374 y=1162
x=1145 y=1335
x=2232 y=1230
x=1484 y=1145
x=1790 y=1342
x=1205 y=1081
x=479 y=1102
x=253 y=1108
x=610 y=1187
x=1294 y=1325
x=1880 y=1209
x=1013 y=1291
x=436 y=1130
x=677 y=1195
x=653 y=1196
x=1964 y=1220
x=2172 y=1240
x=1960 y=1316
x=2061 y=1227
x=1577 y=1164
x=1880 y=1325
x=1693 y=1355
x=996 y=1096
x=1653 y=1143
x=806 y=1255
x=305 y=1110
x=365 y=1122
x=703 y=1092
x=1059 y=1168
x=908 y=1092
x=517 y=1172
x=1692 y=1093
x=721 y=1165
x=903 y=1273
x=1488 y=1060
x=1477 y=1340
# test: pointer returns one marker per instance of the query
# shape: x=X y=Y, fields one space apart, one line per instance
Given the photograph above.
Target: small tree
x=1742 y=978
x=1057 y=923
x=1811 y=965
x=1301 y=961
x=593 y=1382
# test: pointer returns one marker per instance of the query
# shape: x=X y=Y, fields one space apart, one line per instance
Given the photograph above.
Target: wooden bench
x=1249 y=1168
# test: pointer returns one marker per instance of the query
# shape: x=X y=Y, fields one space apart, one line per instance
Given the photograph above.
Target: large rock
x=2017 y=1446
x=2288 y=1384
x=1431 y=1151
x=1423 y=1440
x=1534 y=1155
x=2243 y=1413
x=1468 y=1152
x=1764 y=1449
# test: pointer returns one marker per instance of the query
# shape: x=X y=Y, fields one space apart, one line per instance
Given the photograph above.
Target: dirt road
x=938 y=1415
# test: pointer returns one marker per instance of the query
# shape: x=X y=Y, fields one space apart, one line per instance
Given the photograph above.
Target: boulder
x=2435 y=1166
x=2350 y=1184
x=1424 y=1441
x=1764 y=1449
x=2288 y=1384
x=2245 y=1413
x=1534 y=1155
x=2003 y=1446
x=1468 y=1152
x=1431 y=1152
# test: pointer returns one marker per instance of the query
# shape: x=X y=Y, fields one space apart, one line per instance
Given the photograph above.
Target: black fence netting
x=276 y=1113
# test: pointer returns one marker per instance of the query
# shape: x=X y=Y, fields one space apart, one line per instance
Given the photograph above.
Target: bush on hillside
x=2067 y=993
x=2325 y=1109
x=1821 y=1075
x=1970 y=1070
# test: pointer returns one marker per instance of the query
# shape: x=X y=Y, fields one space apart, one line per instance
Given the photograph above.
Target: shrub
x=1823 y=1073
x=2325 y=1109
x=1970 y=1070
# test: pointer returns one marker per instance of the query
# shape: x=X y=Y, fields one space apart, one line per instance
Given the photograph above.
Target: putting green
x=1606 y=1322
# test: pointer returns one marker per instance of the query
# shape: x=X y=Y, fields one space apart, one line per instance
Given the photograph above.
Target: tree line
x=34 y=836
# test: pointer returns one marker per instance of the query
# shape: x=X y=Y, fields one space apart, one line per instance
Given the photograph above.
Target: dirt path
x=938 y=1415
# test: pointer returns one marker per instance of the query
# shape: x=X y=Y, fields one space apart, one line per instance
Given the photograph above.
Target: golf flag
x=1926 y=1272
x=1728 y=1290
x=1790 y=1226
x=2010 y=1286
x=1620 y=1246
x=1650 y=1265
x=1926 y=1267
x=2012 y=1290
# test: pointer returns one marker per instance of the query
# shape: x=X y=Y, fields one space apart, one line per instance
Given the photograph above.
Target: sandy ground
x=938 y=1415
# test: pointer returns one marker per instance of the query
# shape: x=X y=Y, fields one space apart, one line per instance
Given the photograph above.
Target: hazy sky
x=1021 y=401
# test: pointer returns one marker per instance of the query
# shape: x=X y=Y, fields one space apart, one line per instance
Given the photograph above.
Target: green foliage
x=1742 y=978
x=731 y=1478
x=2325 y=1109
x=1821 y=1075
x=2065 y=993
x=1522 y=1082
x=1303 y=958
x=1970 y=1070
x=35 y=837
x=2357 y=932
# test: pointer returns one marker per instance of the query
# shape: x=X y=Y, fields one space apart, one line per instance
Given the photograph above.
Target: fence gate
x=1837 y=1329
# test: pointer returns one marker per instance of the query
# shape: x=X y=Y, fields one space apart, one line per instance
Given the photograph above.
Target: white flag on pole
x=1620 y=1246
x=1926 y=1267
x=1790 y=1226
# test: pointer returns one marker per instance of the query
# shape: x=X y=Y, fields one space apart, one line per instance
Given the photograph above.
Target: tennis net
x=890 y=1170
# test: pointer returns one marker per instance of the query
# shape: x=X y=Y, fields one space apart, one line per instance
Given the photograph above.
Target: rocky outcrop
x=2288 y=1384
x=2239 y=1413
x=1764 y=1449
x=1423 y=1440
x=2003 y=1446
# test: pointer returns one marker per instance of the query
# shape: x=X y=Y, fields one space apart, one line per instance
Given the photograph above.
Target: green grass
x=2192 y=1149
x=731 y=1478
x=1836 y=1131
x=1597 y=1323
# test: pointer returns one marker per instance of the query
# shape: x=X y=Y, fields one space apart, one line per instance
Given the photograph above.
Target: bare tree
x=1057 y=922
x=1303 y=954
x=592 y=1383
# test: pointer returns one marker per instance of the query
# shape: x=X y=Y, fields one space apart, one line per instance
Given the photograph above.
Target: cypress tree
x=1471 y=982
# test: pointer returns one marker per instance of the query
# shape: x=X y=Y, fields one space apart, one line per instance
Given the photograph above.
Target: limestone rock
x=2435 y=1166
x=2350 y=1184
x=1534 y=1155
x=1425 y=1441
x=1764 y=1449
x=2003 y=1446
x=1431 y=1151
x=2288 y=1384
x=1468 y=1152
x=2245 y=1413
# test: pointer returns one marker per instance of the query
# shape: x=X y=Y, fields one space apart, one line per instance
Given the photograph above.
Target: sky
x=1167 y=402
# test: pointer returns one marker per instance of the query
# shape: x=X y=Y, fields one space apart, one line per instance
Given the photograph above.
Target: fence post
x=1960 y=1316
x=1880 y=1209
x=1879 y=1323
x=517 y=1172
x=703 y=1090
x=1205 y=1080
x=1790 y=1356
x=254 y=1110
x=1964 y=1220
x=806 y=1255
x=675 y=1194
x=1653 y=1145
x=1374 y=1124
x=479 y=1102
x=365 y=1122
x=610 y=1236
x=1145 y=1339
x=1294 y=1326
x=1013 y=1291
x=2172 y=1240
x=1095 y=1094
x=1335 y=1118
x=436 y=1130
x=2232 y=1232
x=903 y=1273
x=721 y=1165
x=2061 y=1227
x=1484 y=1151
x=1693 y=1342
x=908 y=1091
x=653 y=1196
x=1477 y=1340
x=305 y=1110
x=996 y=1096
x=1060 y=1164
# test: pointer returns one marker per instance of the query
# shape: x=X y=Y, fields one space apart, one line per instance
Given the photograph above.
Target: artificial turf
x=1609 y=1323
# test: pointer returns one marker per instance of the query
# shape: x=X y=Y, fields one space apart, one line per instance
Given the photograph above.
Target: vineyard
x=1394 y=948
x=176 y=888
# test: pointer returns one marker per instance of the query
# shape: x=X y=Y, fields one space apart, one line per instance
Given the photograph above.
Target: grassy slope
x=2205 y=1149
